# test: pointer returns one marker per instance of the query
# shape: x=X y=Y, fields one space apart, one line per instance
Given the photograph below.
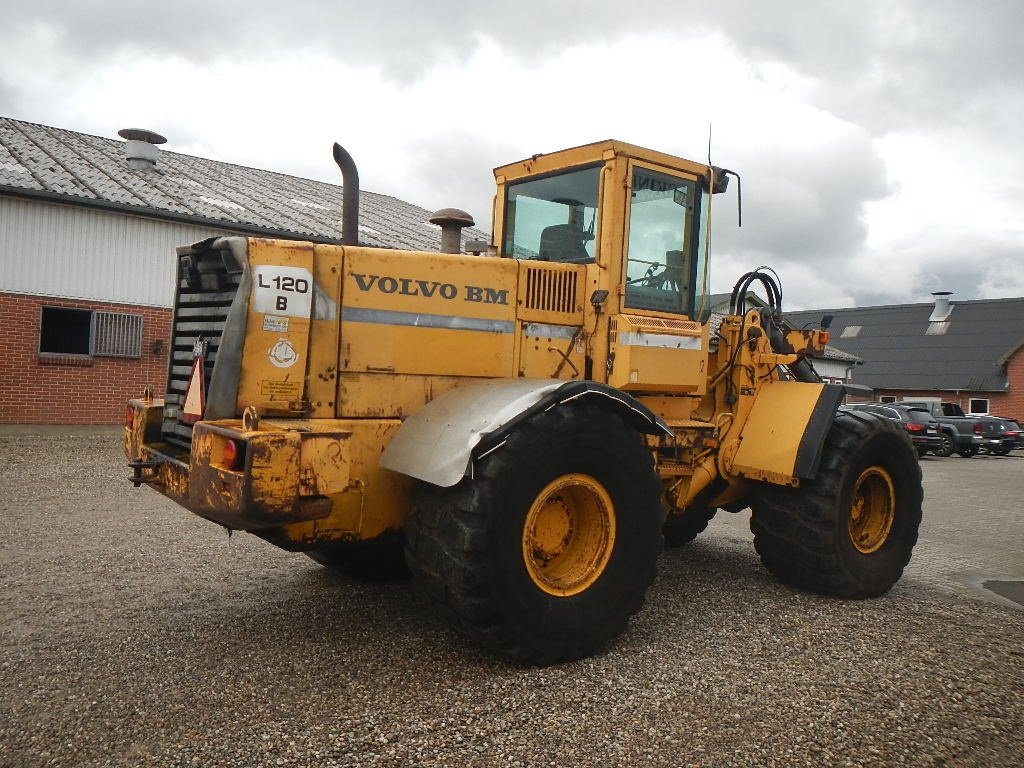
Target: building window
x=65 y=331
x=84 y=332
x=887 y=398
x=978 y=405
x=116 y=334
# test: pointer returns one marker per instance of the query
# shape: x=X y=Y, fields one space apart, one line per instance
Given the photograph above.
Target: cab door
x=656 y=342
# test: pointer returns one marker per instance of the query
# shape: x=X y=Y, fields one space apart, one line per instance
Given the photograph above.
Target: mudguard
x=438 y=443
x=785 y=432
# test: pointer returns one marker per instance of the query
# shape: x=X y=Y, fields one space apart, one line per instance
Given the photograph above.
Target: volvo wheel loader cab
x=522 y=431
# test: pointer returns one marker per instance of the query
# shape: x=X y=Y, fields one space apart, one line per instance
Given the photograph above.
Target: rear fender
x=438 y=443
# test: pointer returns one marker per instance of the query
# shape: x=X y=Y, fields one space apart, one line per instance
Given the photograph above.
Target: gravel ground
x=134 y=634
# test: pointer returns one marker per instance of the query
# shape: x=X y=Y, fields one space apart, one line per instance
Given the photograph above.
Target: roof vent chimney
x=942 y=307
x=140 y=147
x=451 y=221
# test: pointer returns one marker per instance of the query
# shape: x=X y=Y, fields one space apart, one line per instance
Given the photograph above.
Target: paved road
x=135 y=634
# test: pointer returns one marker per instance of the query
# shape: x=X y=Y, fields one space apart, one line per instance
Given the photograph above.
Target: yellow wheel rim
x=873 y=510
x=569 y=535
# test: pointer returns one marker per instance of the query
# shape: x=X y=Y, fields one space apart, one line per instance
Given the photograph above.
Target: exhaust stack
x=350 y=200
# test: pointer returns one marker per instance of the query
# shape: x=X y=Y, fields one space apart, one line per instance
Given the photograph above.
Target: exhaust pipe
x=350 y=200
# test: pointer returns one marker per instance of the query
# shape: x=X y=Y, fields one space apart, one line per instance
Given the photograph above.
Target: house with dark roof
x=88 y=228
x=967 y=352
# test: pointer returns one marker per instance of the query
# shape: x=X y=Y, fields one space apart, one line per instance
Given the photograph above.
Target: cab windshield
x=553 y=218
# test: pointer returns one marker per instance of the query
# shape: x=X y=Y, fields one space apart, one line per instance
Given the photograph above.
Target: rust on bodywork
x=288 y=475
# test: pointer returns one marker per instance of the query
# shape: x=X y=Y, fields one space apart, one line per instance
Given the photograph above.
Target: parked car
x=960 y=433
x=1000 y=436
x=1016 y=431
x=923 y=429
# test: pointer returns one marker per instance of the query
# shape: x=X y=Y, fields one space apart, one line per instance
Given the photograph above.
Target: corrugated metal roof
x=76 y=168
x=898 y=353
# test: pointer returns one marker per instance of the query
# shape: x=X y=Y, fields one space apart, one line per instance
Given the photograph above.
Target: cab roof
x=597 y=152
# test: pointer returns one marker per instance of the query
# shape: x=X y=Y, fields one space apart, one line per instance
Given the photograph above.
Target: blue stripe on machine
x=420 y=320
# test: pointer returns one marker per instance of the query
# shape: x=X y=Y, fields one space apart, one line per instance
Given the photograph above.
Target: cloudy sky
x=880 y=143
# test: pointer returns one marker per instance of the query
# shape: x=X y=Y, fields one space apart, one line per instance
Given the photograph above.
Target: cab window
x=553 y=218
x=659 y=253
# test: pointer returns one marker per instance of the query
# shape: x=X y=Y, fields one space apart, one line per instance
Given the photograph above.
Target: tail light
x=977 y=427
x=233 y=455
x=915 y=427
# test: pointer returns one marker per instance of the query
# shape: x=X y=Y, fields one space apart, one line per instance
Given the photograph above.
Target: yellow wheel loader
x=524 y=426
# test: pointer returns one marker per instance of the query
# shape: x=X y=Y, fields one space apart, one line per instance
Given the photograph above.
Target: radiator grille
x=549 y=290
x=205 y=292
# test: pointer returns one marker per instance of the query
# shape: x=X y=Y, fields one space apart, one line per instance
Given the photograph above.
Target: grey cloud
x=9 y=97
x=456 y=171
x=804 y=205
x=883 y=64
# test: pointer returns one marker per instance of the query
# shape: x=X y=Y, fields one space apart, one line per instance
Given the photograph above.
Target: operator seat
x=564 y=242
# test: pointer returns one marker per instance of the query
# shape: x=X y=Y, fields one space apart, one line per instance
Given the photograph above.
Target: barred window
x=84 y=333
x=116 y=335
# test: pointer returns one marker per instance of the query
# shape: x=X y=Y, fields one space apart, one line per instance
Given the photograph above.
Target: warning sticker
x=275 y=324
x=291 y=389
x=283 y=354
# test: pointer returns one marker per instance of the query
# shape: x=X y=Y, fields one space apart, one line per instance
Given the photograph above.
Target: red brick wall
x=1009 y=404
x=38 y=389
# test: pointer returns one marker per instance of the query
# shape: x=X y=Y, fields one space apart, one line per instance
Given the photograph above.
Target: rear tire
x=545 y=553
x=851 y=530
x=681 y=528
x=970 y=452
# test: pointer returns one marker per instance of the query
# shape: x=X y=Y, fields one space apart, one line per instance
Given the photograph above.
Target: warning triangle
x=195 y=394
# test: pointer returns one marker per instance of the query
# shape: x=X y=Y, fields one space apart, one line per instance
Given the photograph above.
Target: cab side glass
x=659 y=262
x=553 y=218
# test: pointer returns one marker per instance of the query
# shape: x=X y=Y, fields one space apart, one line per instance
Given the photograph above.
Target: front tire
x=545 y=553
x=850 y=531
x=946 y=448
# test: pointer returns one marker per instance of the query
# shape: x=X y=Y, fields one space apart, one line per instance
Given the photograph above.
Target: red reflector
x=129 y=417
x=825 y=336
x=232 y=454
x=915 y=427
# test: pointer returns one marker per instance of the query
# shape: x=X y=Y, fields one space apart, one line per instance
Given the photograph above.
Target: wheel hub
x=568 y=535
x=872 y=510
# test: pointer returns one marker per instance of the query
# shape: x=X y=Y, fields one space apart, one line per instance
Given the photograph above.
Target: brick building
x=88 y=227
x=967 y=352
